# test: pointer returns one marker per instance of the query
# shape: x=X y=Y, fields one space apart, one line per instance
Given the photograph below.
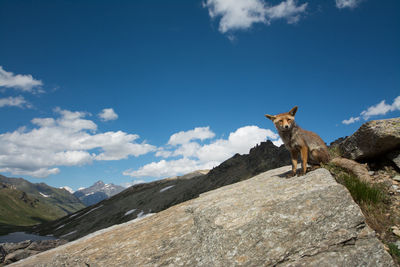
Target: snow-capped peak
x=69 y=189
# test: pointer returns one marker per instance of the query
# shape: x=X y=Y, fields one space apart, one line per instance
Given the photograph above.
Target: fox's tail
x=354 y=167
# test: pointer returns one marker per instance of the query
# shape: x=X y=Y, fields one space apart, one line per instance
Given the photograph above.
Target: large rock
x=264 y=221
x=372 y=139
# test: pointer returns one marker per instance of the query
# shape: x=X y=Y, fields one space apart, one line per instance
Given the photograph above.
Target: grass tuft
x=362 y=192
x=394 y=251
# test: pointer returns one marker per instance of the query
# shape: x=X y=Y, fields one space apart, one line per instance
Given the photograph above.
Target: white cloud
x=278 y=142
x=182 y=137
x=18 y=101
x=108 y=114
x=286 y=10
x=25 y=83
x=134 y=182
x=379 y=109
x=239 y=141
x=351 y=120
x=236 y=14
x=38 y=173
x=196 y=156
x=347 y=3
x=68 y=140
x=241 y=15
x=169 y=168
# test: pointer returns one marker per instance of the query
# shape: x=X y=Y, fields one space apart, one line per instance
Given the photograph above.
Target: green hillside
x=19 y=208
x=23 y=203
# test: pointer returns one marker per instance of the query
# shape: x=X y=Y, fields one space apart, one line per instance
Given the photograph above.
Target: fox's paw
x=290 y=174
x=301 y=173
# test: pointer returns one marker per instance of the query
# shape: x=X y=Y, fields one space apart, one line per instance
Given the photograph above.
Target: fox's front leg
x=294 y=154
x=304 y=158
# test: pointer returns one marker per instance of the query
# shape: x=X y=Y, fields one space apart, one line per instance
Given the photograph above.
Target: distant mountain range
x=24 y=203
x=97 y=192
x=142 y=199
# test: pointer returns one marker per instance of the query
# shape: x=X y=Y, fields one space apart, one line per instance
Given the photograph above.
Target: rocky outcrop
x=267 y=220
x=12 y=252
x=372 y=139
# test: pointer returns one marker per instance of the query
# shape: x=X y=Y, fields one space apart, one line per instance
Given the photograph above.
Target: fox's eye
x=289 y=120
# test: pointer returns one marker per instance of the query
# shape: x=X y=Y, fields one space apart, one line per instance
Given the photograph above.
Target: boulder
x=267 y=220
x=19 y=255
x=372 y=139
x=12 y=252
x=11 y=247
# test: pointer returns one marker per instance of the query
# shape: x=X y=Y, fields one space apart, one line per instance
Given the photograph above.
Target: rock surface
x=264 y=221
x=372 y=139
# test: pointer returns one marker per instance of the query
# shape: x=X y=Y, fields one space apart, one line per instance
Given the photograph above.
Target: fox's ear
x=272 y=118
x=293 y=111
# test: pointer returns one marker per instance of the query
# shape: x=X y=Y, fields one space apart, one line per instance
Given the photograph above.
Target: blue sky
x=131 y=91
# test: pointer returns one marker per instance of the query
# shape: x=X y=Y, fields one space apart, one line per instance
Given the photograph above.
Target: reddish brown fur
x=298 y=141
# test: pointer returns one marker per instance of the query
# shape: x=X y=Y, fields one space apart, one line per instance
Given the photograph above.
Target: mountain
x=267 y=220
x=156 y=196
x=24 y=203
x=97 y=192
x=69 y=189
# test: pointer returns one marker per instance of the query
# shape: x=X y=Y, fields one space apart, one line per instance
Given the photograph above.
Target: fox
x=309 y=145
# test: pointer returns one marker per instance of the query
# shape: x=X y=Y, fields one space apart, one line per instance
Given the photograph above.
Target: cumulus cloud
x=379 y=109
x=18 y=101
x=278 y=142
x=194 y=155
x=241 y=15
x=183 y=137
x=134 y=182
x=351 y=120
x=165 y=168
x=286 y=10
x=239 y=141
x=347 y=3
x=39 y=173
x=68 y=140
x=21 y=82
x=108 y=114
